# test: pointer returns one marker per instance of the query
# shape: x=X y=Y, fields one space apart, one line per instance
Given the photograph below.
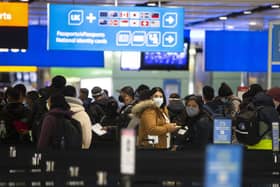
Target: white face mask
x=158 y=101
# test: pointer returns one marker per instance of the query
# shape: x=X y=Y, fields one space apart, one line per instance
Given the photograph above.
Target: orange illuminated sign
x=13 y=14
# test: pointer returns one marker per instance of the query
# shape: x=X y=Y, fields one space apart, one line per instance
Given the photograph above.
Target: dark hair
x=13 y=94
x=225 y=90
x=58 y=82
x=58 y=101
x=33 y=95
x=208 y=93
x=142 y=92
x=197 y=99
x=44 y=92
x=142 y=87
x=21 y=88
x=84 y=91
x=174 y=95
x=128 y=90
x=69 y=91
x=158 y=89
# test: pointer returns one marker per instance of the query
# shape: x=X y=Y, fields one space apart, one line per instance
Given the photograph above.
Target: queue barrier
x=21 y=166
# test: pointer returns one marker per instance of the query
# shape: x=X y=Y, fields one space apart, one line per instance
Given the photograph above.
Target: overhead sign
x=13 y=25
x=13 y=14
x=81 y=27
x=276 y=43
x=273 y=49
x=38 y=55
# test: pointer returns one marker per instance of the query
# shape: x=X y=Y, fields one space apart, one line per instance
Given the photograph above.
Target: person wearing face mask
x=155 y=127
x=197 y=128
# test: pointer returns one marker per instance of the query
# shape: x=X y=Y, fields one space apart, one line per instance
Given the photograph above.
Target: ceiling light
x=4 y=50
x=15 y=50
x=230 y=27
x=275 y=6
x=247 y=12
x=223 y=18
x=253 y=23
x=151 y=4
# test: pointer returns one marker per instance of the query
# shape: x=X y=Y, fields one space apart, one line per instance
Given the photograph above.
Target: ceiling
x=199 y=14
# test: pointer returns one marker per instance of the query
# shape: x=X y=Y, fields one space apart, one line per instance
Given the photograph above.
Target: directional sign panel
x=276 y=43
x=82 y=27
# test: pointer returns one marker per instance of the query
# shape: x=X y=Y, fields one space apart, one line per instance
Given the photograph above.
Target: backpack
x=221 y=109
x=105 y=111
x=68 y=134
x=253 y=123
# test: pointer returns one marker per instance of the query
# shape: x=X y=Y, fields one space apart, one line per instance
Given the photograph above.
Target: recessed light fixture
x=247 y=12
x=151 y=4
x=275 y=6
x=223 y=18
x=230 y=27
x=252 y=23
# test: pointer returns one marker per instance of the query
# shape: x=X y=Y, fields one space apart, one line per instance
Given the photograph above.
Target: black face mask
x=121 y=99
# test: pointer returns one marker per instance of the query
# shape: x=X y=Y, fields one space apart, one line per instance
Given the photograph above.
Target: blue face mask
x=192 y=111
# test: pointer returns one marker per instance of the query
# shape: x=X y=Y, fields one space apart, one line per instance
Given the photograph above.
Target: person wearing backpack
x=76 y=106
x=104 y=110
x=225 y=104
x=259 y=135
x=58 y=132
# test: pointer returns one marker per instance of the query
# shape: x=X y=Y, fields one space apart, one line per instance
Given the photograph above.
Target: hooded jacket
x=49 y=127
x=76 y=106
x=152 y=122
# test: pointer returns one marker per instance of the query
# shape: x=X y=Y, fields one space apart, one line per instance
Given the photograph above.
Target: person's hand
x=174 y=128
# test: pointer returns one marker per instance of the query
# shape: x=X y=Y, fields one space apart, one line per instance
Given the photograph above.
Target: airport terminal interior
x=140 y=93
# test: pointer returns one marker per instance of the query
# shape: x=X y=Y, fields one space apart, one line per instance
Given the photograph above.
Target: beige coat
x=152 y=122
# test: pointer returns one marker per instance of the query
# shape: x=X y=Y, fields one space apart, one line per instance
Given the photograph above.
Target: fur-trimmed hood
x=140 y=107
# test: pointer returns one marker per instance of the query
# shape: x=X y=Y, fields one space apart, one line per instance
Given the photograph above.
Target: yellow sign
x=18 y=68
x=13 y=14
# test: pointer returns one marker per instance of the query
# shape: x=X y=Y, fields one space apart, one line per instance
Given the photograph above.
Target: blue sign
x=276 y=43
x=223 y=166
x=275 y=136
x=38 y=55
x=222 y=131
x=81 y=27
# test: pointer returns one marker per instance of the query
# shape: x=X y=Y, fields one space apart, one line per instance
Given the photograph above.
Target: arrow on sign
x=170 y=20
x=169 y=39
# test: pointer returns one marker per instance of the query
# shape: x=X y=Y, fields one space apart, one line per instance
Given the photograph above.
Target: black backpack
x=253 y=123
x=68 y=134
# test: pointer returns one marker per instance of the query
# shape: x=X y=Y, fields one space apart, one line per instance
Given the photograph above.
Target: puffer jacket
x=152 y=122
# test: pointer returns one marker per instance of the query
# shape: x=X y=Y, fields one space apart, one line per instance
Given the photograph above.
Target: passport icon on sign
x=75 y=17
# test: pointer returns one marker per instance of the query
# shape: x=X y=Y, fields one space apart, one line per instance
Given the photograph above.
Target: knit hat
x=274 y=93
x=96 y=91
x=224 y=90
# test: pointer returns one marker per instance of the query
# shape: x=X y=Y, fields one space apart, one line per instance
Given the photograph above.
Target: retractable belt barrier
x=101 y=167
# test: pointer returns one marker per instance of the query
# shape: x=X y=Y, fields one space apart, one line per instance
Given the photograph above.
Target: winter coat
x=76 y=106
x=16 y=118
x=199 y=133
x=49 y=128
x=152 y=122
